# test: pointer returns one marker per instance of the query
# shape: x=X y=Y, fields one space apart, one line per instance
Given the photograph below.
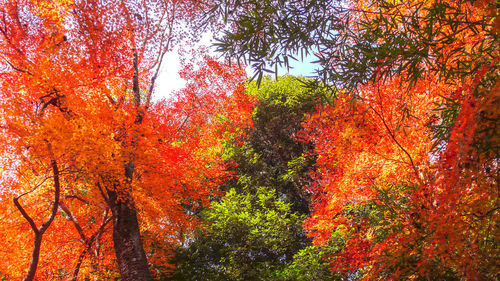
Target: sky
x=169 y=80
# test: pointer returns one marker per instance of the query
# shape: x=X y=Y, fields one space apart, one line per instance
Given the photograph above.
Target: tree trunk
x=35 y=255
x=130 y=254
x=37 y=244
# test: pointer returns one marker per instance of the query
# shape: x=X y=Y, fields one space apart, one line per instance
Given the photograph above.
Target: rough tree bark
x=130 y=255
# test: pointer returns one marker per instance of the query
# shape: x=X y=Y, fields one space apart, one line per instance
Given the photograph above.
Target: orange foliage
x=404 y=209
x=68 y=95
x=433 y=212
x=382 y=138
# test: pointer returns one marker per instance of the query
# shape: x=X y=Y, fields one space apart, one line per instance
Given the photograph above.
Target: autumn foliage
x=409 y=169
x=177 y=162
x=100 y=180
x=82 y=140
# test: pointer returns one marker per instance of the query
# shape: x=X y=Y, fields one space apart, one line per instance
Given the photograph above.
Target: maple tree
x=87 y=156
x=443 y=220
x=403 y=211
x=97 y=180
x=411 y=187
x=371 y=156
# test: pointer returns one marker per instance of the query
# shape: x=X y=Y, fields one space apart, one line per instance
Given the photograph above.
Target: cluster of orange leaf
x=82 y=144
x=402 y=208
x=76 y=113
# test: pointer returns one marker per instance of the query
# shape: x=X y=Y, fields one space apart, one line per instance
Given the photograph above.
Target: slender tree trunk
x=35 y=256
x=130 y=254
x=78 y=265
x=37 y=244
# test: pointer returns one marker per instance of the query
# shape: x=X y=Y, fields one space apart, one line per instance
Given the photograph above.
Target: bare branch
x=73 y=220
x=15 y=67
x=35 y=254
x=23 y=211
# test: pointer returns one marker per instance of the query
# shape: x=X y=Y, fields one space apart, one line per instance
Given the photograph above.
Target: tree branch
x=415 y=169
x=35 y=254
x=23 y=211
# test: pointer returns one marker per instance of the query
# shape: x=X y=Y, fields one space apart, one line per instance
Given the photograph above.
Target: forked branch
x=35 y=254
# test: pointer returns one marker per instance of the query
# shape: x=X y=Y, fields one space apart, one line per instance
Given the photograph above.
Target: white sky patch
x=169 y=81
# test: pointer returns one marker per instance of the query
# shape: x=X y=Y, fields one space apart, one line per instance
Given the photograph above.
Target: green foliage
x=353 y=46
x=309 y=265
x=255 y=231
x=272 y=33
x=248 y=237
x=272 y=156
